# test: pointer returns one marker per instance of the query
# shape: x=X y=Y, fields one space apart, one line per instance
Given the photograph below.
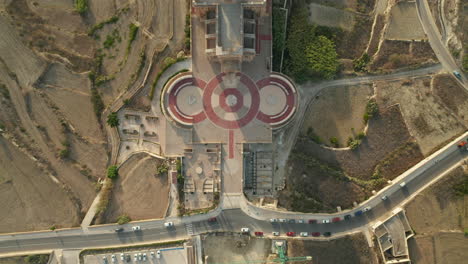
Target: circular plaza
x=230 y=101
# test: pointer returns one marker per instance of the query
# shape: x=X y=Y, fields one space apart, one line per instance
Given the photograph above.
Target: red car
x=336 y=219
x=462 y=144
x=312 y=221
x=212 y=219
x=315 y=234
x=259 y=233
x=291 y=234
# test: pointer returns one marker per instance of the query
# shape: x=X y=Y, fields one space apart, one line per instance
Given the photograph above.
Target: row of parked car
x=246 y=230
x=136 y=257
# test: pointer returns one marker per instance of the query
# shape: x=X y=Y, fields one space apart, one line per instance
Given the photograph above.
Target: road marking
x=189 y=228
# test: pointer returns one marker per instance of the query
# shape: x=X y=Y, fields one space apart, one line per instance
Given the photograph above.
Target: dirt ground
x=429 y=128
x=439 y=217
x=347 y=250
x=452 y=95
x=139 y=184
x=31 y=197
x=404 y=22
x=346 y=107
x=230 y=248
x=319 y=179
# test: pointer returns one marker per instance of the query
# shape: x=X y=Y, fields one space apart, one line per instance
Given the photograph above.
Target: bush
x=81 y=6
x=314 y=137
x=113 y=120
x=96 y=100
x=95 y=28
x=361 y=135
x=372 y=109
x=360 y=65
x=334 y=142
x=4 y=91
x=131 y=35
x=123 y=219
x=37 y=259
x=465 y=61
x=461 y=189
x=353 y=143
x=162 y=168
x=112 y=172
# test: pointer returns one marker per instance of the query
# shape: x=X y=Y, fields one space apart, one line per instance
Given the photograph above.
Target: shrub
x=334 y=142
x=162 y=168
x=81 y=6
x=95 y=28
x=314 y=137
x=465 y=61
x=113 y=119
x=360 y=65
x=461 y=189
x=123 y=219
x=37 y=259
x=4 y=91
x=372 y=109
x=52 y=228
x=354 y=143
x=131 y=35
x=361 y=135
x=126 y=101
x=112 y=172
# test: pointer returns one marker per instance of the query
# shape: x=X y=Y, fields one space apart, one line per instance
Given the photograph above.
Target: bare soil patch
x=404 y=22
x=439 y=217
x=139 y=192
x=345 y=109
x=226 y=247
x=375 y=38
x=395 y=54
x=351 y=249
x=319 y=179
x=452 y=95
x=31 y=198
x=429 y=128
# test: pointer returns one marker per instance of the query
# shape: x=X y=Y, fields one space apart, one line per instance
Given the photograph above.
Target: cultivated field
x=345 y=107
x=404 y=22
x=347 y=250
x=139 y=192
x=33 y=200
x=429 y=128
x=225 y=248
x=438 y=217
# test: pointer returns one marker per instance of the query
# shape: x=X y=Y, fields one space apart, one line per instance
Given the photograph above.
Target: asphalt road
x=227 y=220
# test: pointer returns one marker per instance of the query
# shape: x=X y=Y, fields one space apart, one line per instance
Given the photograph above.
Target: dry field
x=345 y=109
x=438 y=217
x=429 y=128
x=139 y=192
x=319 y=179
x=395 y=54
x=330 y=17
x=351 y=249
x=452 y=95
x=227 y=248
x=31 y=198
x=404 y=22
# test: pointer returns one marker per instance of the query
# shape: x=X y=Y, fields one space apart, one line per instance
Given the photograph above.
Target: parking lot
x=163 y=256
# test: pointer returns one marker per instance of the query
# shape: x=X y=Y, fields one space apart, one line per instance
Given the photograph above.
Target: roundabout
x=230 y=101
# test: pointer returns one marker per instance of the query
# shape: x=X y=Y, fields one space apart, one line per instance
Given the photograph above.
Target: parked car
x=152 y=254
x=275 y=233
x=136 y=228
x=158 y=254
x=366 y=209
x=258 y=233
x=144 y=257
x=325 y=221
x=384 y=198
x=104 y=259
x=304 y=234
x=291 y=221
x=282 y=220
x=135 y=257
x=119 y=230
x=140 y=256
x=169 y=224
x=327 y=234
x=300 y=221
x=291 y=234
x=336 y=219
x=347 y=217
x=212 y=219
x=128 y=258
x=358 y=213
x=315 y=234
x=312 y=221
x=122 y=256
x=244 y=230
x=403 y=184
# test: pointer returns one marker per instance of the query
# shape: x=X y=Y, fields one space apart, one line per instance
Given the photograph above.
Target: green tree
x=113 y=120
x=81 y=6
x=162 y=168
x=360 y=65
x=112 y=172
x=334 y=142
x=322 y=58
x=123 y=219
